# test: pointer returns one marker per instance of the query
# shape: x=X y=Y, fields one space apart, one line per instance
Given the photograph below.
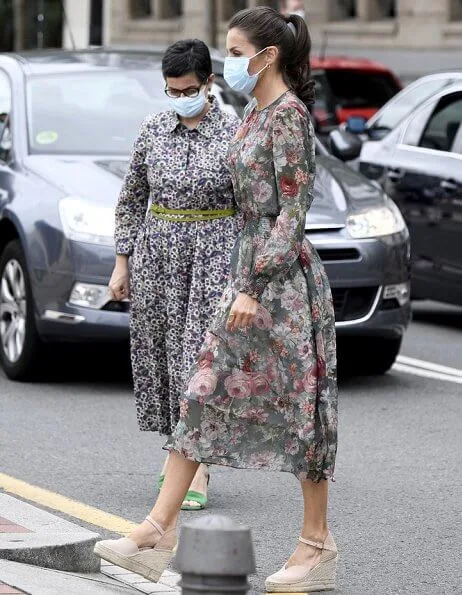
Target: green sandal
x=191 y=496
x=196 y=497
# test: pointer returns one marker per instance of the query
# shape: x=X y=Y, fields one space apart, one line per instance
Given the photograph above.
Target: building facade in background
x=394 y=24
x=411 y=36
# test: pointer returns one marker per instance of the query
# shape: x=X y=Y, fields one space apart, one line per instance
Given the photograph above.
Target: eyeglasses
x=189 y=92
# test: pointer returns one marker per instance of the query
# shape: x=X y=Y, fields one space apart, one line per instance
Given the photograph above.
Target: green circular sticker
x=46 y=137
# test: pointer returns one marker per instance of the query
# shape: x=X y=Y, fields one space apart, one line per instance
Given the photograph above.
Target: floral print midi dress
x=266 y=396
x=178 y=268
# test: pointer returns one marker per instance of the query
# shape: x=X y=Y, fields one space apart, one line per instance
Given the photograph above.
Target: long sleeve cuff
x=253 y=287
x=124 y=247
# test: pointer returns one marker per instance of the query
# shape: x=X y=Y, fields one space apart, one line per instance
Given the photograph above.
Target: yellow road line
x=86 y=513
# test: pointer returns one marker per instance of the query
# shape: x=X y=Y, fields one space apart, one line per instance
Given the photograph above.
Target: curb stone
x=33 y=580
x=36 y=537
x=168 y=582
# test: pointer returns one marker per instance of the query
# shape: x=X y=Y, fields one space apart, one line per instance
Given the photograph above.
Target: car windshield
x=406 y=102
x=358 y=88
x=97 y=112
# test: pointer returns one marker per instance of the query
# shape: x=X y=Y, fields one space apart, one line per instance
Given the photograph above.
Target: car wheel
x=368 y=356
x=19 y=341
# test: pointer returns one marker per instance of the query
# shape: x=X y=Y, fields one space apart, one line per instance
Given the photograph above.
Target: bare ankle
x=315 y=532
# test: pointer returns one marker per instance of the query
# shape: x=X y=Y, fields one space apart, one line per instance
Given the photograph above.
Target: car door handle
x=394 y=174
x=449 y=185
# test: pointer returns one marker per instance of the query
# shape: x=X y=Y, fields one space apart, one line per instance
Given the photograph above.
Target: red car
x=348 y=87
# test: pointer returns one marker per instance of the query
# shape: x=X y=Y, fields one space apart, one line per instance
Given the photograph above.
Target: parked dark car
x=419 y=165
x=69 y=119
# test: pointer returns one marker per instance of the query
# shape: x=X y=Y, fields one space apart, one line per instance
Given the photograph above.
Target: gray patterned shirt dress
x=178 y=269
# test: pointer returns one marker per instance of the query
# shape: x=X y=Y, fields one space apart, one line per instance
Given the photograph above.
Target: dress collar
x=210 y=123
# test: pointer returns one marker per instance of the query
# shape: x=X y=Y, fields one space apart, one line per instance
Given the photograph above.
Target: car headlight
x=376 y=221
x=90 y=295
x=86 y=222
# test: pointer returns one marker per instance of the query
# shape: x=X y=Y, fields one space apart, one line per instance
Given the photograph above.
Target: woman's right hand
x=119 y=284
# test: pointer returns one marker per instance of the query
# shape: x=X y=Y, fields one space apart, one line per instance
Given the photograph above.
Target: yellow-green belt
x=190 y=214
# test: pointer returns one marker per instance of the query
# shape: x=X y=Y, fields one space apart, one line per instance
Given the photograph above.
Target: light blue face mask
x=188 y=107
x=236 y=73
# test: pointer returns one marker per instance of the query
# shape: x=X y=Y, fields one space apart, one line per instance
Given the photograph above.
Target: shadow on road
x=437 y=314
x=100 y=363
x=373 y=384
x=109 y=364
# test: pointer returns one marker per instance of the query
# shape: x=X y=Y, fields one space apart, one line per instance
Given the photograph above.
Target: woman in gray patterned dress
x=263 y=392
x=180 y=260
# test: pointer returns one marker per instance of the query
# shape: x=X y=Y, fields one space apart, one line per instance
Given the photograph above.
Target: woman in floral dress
x=180 y=261
x=263 y=392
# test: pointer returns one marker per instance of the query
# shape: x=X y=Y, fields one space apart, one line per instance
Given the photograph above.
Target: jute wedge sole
x=149 y=563
x=321 y=578
x=299 y=579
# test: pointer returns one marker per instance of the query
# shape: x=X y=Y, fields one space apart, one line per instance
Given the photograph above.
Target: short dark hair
x=185 y=57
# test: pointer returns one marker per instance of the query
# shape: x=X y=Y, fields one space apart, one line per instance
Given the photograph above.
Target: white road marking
x=419 y=363
x=424 y=373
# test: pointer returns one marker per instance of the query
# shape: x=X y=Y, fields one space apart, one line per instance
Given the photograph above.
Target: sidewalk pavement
x=42 y=554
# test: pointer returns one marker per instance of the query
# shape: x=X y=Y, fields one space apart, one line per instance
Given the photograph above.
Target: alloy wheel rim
x=12 y=310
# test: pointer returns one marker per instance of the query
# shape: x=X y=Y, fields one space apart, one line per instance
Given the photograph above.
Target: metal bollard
x=215 y=556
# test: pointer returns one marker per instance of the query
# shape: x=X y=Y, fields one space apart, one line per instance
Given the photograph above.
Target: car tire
x=368 y=356
x=21 y=349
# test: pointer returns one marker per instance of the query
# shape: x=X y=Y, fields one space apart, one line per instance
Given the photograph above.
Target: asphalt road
x=395 y=507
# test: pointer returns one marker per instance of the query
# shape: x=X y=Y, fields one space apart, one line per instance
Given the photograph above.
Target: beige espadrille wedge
x=299 y=579
x=149 y=562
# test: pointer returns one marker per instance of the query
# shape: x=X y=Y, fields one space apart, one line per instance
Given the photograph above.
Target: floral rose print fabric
x=266 y=396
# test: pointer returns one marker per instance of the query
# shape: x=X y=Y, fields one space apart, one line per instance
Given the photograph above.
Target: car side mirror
x=356 y=125
x=5 y=142
x=4 y=152
x=344 y=145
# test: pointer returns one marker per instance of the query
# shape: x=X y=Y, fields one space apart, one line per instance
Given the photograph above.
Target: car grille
x=352 y=303
x=338 y=254
x=114 y=306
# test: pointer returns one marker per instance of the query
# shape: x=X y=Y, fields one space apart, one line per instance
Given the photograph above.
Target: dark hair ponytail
x=264 y=26
x=297 y=68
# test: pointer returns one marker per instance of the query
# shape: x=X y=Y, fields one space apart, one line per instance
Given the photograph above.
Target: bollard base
x=191 y=584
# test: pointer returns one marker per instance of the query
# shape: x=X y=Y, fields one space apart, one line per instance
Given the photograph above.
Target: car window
x=443 y=126
x=5 y=111
x=457 y=145
x=322 y=91
x=358 y=88
x=407 y=101
x=414 y=129
x=97 y=112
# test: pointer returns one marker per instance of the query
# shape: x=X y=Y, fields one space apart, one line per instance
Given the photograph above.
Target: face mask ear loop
x=264 y=67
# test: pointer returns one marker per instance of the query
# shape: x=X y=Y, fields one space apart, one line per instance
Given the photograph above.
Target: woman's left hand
x=242 y=312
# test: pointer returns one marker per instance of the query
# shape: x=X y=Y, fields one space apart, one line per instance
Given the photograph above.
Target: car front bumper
x=359 y=272
x=71 y=323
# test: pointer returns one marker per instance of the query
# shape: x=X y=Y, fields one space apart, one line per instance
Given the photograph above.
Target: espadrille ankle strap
x=156 y=526
x=317 y=544
x=326 y=545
